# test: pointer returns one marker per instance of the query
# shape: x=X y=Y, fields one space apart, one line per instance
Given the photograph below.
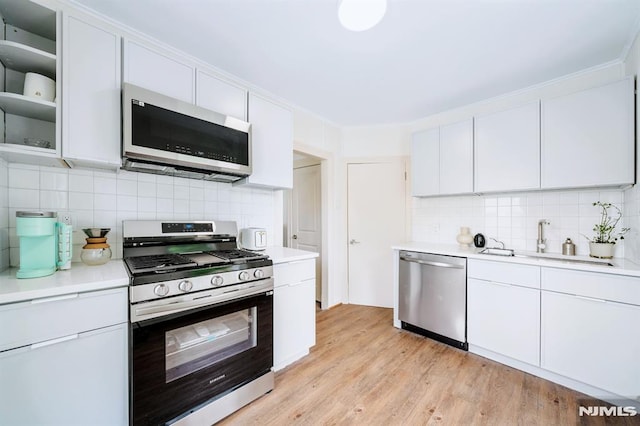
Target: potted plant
x=602 y=245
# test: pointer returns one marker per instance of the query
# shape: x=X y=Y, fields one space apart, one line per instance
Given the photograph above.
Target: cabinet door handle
x=54 y=341
x=591 y=299
x=54 y=298
x=500 y=284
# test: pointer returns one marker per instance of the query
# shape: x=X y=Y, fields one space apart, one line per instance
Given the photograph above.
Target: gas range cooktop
x=156 y=250
x=170 y=262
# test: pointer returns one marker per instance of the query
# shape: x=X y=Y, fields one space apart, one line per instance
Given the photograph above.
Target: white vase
x=464 y=238
x=602 y=250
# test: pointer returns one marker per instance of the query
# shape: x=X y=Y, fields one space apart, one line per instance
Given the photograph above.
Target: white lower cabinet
x=58 y=374
x=78 y=380
x=503 y=309
x=577 y=328
x=589 y=336
x=505 y=319
x=294 y=311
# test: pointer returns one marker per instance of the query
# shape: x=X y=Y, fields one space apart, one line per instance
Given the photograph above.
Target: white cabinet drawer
x=507 y=273
x=294 y=272
x=49 y=318
x=616 y=288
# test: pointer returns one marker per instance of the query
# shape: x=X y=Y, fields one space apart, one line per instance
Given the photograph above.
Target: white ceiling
x=426 y=56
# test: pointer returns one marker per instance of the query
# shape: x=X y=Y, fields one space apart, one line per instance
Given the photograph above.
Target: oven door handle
x=148 y=312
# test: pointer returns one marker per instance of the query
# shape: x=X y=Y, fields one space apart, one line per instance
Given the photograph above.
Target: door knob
x=294 y=236
x=352 y=242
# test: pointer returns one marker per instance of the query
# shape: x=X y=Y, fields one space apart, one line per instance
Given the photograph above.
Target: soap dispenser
x=568 y=248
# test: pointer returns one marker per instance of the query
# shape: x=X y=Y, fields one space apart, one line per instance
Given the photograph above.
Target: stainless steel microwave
x=163 y=135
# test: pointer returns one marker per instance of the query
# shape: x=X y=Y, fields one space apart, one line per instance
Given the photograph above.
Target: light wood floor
x=364 y=371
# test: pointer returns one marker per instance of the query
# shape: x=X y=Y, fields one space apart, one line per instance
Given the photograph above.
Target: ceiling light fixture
x=361 y=15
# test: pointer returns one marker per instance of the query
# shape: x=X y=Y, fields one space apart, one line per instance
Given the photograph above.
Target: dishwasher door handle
x=429 y=263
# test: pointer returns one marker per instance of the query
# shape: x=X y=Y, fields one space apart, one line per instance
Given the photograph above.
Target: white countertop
x=286 y=254
x=553 y=260
x=80 y=278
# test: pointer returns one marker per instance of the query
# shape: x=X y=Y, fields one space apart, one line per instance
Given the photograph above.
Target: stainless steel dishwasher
x=433 y=296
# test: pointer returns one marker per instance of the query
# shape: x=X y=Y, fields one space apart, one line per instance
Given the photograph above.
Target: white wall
x=376 y=141
x=97 y=198
x=561 y=86
x=632 y=195
x=317 y=137
x=4 y=215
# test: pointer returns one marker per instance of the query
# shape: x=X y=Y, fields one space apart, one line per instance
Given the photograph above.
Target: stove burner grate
x=236 y=254
x=158 y=262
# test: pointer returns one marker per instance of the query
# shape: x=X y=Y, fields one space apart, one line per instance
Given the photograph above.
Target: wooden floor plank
x=363 y=371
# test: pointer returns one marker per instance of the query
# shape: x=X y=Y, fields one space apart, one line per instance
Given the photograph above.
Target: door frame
x=326 y=163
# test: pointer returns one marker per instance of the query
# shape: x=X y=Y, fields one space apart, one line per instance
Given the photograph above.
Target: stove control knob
x=217 y=281
x=244 y=276
x=259 y=273
x=185 y=285
x=161 y=290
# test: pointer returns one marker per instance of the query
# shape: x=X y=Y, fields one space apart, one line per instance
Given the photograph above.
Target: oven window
x=203 y=344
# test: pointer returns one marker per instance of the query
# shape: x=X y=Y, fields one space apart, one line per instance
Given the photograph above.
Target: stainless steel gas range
x=201 y=314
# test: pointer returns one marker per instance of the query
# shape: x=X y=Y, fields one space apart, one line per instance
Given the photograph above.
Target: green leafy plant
x=605 y=230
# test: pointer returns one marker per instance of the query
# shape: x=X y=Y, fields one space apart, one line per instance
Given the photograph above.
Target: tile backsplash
x=97 y=198
x=513 y=218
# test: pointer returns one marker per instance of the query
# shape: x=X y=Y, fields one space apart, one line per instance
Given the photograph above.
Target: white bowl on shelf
x=39 y=87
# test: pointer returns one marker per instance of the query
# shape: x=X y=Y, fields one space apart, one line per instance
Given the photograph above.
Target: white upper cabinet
x=30 y=122
x=507 y=150
x=220 y=96
x=425 y=163
x=442 y=160
x=588 y=137
x=158 y=71
x=272 y=144
x=91 y=97
x=456 y=158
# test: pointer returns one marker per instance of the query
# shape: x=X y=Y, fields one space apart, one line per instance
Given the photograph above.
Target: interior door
x=306 y=223
x=376 y=221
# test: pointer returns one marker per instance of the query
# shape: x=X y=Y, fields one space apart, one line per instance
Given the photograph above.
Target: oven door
x=184 y=360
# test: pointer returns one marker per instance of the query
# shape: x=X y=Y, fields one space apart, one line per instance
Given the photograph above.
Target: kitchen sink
x=498 y=251
x=512 y=253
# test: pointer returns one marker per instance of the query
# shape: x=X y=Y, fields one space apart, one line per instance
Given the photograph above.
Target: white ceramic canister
x=39 y=87
x=464 y=238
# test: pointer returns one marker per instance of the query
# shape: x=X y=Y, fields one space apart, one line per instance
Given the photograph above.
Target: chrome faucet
x=541 y=244
x=499 y=242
